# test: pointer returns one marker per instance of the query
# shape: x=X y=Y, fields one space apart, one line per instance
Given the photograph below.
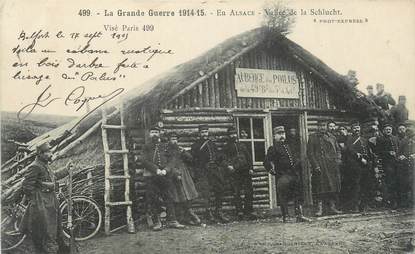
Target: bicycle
x=86 y=219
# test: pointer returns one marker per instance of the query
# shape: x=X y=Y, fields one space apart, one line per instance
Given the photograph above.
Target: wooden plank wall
x=218 y=91
x=186 y=125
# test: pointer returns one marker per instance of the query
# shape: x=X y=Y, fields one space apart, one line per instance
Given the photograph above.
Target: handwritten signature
x=74 y=98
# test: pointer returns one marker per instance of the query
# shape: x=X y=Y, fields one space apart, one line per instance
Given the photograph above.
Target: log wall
x=218 y=91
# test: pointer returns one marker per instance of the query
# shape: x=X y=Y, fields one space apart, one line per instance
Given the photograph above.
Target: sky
x=381 y=50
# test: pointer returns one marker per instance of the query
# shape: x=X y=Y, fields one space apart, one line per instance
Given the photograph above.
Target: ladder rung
x=116 y=151
x=119 y=203
x=109 y=126
x=118 y=177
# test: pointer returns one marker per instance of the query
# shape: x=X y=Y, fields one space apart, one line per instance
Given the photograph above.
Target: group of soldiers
x=347 y=167
x=174 y=174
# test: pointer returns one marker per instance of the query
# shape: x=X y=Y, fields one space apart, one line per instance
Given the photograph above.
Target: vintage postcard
x=225 y=126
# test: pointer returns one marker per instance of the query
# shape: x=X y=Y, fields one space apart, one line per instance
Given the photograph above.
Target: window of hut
x=251 y=132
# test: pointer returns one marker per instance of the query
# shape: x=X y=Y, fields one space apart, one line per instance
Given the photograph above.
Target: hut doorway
x=291 y=123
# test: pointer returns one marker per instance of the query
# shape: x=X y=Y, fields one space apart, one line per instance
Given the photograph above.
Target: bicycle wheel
x=10 y=235
x=86 y=218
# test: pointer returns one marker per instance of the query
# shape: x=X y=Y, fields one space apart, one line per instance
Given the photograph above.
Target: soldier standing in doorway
x=209 y=174
x=239 y=163
x=281 y=162
x=154 y=160
x=324 y=155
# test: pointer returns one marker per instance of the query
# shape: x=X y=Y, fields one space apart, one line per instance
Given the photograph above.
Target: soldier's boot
x=239 y=215
x=209 y=217
x=284 y=212
x=221 y=217
x=319 y=209
x=175 y=224
x=149 y=220
x=333 y=208
x=299 y=215
x=194 y=219
x=157 y=224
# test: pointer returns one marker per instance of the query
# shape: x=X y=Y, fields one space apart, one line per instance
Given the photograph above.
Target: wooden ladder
x=109 y=177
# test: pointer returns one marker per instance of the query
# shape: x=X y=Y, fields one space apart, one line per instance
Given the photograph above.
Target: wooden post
x=130 y=221
x=70 y=225
x=107 y=173
x=308 y=197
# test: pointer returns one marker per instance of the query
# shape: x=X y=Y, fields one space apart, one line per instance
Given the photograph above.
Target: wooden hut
x=253 y=81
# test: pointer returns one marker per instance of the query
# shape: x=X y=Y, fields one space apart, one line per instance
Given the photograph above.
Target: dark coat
x=386 y=144
x=155 y=156
x=399 y=114
x=323 y=151
x=357 y=145
x=208 y=166
x=384 y=100
x=282 y=157
x=42 y=216
x=179 y=172
x=237 y=155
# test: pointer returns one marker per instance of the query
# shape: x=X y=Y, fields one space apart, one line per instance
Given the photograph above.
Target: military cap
x=380 y=85
x=279 y=129
x=203 y=127
x=402 y=97
x=231 y=130
x=342 y=125
x=404 y=123
x=369 y=87
x=387 y=125
x=355 y=123
x=44 y=147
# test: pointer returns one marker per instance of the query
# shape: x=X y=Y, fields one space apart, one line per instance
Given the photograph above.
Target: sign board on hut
x=266 y=83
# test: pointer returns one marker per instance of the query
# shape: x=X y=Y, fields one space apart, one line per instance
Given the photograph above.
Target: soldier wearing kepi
x=208 y=170
x=238 y=162
x=324 y=155
x=182 y=180
x=281 y=162
x=42 y=219
x=358 y=174
x=387 y=147
x=155 y=160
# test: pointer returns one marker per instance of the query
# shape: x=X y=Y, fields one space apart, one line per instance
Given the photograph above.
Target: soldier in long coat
x=238 y=161
x=42 y=219
x=387 y=148
x=209 y=173
x=281 y=161
x=324 y=155
x=159 y=185
x=358 y=173
x=177 y=169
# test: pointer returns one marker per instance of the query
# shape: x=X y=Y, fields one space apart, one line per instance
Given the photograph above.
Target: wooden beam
x=206 y=76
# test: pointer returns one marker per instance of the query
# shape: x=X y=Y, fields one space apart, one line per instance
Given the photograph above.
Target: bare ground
x=384 y=232
x=377 y=232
